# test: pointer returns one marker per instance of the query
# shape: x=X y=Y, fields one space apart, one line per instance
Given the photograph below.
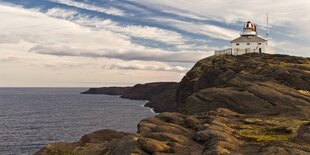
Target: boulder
x=151 y=145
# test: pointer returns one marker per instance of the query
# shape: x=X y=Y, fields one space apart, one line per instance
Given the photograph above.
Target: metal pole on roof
x=267 y=34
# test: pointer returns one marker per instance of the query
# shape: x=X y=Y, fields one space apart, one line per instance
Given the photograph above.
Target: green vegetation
x=260 y=130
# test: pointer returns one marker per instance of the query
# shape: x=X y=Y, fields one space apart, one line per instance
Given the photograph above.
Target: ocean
x=30 y=118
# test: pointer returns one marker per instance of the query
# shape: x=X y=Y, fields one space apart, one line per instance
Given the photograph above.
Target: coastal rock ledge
x=250 y=104
x=212 y=133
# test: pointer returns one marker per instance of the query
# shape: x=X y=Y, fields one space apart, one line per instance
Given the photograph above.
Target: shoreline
x=224 y=104
x=151 y=109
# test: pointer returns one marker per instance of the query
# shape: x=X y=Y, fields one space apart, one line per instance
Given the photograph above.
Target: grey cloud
x=9 y=39
x=9 y=59
x=125 y=66
x=148 y=55
x=66 y=66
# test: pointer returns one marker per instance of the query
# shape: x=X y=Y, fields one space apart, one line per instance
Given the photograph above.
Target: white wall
x=253 y=47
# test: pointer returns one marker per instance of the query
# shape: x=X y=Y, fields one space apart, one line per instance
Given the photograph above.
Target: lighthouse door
x=260 y=50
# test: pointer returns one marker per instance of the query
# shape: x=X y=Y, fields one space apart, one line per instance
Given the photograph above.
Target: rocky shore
x=215 y=132
x=248 y=104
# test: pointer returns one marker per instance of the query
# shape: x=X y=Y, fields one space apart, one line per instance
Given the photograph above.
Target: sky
x=93 y=43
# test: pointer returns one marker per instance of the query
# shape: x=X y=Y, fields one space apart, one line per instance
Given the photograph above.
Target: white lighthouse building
x=248 y=42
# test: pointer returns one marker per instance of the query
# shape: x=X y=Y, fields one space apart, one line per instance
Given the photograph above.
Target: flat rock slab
x=216 y=132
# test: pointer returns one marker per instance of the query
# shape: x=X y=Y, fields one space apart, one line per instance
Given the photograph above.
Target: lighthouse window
x=248 y=43
x=237 y=44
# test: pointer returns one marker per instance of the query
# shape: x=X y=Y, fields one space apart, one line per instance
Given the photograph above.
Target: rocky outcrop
x=108 y=90
x=248 y=104
x=161 y=95
x=90 y=144
x=149 y=90
x=250 y=83
x=217 y=132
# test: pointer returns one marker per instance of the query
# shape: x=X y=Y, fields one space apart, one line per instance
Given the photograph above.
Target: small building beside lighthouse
x=248 y=42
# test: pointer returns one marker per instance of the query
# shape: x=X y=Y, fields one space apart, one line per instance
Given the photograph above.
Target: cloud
x=152 y=33
x=287 y=47
x=63 y=38
x=67 y=65
x=111 y=10
x=238 y=10
x=287 y=18
x=9 y=59
x=135 y=66
x=212 y=31
x=128 y=55
x=135 y=31
x=61 y=13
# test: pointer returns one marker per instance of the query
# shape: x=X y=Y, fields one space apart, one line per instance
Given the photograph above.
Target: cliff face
x=249 y=83
x=148 y=91
x=161 y=95
x=108 y=90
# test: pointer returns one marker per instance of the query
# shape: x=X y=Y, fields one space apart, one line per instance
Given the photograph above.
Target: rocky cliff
x=249 y=83
x=161 y=95
x=108 y=90
x=249 y=104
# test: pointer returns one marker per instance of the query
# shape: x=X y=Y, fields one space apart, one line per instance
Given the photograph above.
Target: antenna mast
x=267 y=33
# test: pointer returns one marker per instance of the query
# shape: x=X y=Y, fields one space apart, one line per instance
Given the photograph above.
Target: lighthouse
x=248 y=42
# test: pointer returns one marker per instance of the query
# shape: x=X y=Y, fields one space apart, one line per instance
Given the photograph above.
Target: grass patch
x=260 y=130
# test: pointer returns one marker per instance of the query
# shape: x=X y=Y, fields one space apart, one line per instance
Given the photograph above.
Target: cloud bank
x=136 y=66
x=142 y=36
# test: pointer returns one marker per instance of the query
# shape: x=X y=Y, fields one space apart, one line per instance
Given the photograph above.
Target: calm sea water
x=33 y=117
